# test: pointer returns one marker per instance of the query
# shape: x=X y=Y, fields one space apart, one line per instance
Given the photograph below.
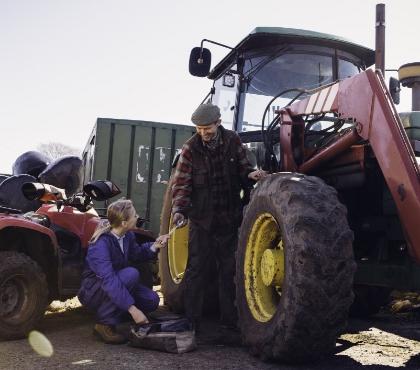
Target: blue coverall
x=109 y=286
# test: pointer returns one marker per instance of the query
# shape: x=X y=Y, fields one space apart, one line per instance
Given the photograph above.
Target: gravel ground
x=384 y=342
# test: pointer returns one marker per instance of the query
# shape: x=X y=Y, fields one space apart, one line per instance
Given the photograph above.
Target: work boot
x=107 y=334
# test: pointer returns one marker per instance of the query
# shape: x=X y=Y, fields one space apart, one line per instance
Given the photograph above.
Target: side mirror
x=200 y=61
x=101 y=190
x=394 y=89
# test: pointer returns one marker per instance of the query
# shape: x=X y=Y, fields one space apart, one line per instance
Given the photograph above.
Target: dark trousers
x=203 y=246
x=145 y=299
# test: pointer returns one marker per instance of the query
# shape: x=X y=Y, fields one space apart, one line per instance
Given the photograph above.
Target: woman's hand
x=162 y=241
x=138 y=316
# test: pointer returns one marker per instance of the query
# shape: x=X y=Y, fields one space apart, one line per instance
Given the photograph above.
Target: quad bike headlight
x=42 y=192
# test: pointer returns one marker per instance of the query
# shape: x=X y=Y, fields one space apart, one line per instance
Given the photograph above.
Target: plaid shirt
x=215 y=154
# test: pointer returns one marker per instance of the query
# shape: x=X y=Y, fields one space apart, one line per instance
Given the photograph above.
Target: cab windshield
x=269 y=75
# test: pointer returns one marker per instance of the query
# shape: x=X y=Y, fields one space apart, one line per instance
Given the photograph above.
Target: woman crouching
x=109 y=286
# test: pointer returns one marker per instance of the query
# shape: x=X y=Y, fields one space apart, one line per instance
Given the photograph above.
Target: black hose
x=301 y=91
x=267 y=136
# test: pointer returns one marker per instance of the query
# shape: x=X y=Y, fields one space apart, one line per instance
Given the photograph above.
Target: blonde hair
x=117 y=212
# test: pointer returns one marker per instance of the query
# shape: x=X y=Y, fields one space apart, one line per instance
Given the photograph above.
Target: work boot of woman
x=107 y=334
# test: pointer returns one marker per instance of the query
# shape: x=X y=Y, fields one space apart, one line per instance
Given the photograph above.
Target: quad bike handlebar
x=96 y=190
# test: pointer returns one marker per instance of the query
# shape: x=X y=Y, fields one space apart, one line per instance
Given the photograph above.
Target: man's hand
x=162 y=241
x=257 y=175
x=138 y=316
x=179 y=220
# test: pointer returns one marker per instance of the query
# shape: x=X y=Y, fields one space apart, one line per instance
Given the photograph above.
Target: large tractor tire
x=23 y=295
x=295 y=269
x=173 y=262
x=173 y=258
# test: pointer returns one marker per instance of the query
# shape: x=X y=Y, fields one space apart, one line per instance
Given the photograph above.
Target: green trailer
x=137 y=156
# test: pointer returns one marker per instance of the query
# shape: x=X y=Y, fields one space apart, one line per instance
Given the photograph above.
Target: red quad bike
x=42 y=253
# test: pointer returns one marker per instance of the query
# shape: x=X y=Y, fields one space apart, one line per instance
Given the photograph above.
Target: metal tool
x=177 y=226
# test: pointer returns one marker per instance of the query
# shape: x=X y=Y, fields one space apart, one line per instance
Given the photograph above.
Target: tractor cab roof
x=262 y=37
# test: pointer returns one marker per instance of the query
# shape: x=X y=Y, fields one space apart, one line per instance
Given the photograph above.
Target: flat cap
x=205 y=114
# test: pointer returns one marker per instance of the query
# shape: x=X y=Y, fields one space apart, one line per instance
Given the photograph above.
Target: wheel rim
x=178 y=253
x=264 y=267
x=13 y=297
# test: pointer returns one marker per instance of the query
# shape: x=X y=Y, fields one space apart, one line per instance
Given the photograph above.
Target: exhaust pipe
x=380 y=38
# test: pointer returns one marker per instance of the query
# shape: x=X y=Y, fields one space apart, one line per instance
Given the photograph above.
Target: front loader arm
x=365 y=100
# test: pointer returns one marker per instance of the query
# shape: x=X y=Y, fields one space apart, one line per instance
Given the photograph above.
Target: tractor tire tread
x=321 y=271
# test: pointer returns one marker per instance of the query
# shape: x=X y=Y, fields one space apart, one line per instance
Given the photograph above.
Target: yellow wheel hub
x=178 y=253
x=272 y=267
x=264 y=267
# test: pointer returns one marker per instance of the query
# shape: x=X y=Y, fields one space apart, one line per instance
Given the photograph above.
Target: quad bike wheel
x=294 y=269
x=23 y=295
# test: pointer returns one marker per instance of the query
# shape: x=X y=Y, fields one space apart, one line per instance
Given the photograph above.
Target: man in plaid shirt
x=210 y=174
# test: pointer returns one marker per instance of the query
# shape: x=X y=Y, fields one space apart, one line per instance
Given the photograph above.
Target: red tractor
x=334 y=227
x=42 y=252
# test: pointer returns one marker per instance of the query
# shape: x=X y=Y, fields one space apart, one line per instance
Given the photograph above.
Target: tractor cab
x=271 y=67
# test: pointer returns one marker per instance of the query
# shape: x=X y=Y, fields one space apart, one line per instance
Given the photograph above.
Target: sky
x=65 y=63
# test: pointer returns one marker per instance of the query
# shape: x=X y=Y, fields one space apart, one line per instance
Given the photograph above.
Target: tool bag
x=174 y=336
